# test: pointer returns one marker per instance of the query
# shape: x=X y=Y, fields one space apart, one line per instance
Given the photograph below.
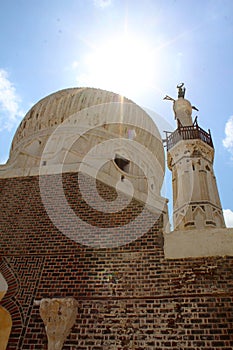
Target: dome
x=93 y=131
x=55 y=108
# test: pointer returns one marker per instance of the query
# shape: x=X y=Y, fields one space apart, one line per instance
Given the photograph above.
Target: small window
x=122 y=163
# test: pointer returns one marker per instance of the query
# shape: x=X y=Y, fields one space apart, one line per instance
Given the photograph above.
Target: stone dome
x=53 y=109
x=98 y=132
x=95 y=132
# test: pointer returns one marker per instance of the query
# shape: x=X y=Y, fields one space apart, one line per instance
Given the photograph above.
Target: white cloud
x=228 y=216
x=228 y=141
x=102 y=3
x=9 y=103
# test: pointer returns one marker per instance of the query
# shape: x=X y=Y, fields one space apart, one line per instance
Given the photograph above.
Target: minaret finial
x=182 y=107
x=181 y=90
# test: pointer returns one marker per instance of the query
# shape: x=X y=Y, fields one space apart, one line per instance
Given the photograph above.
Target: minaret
x=190 y=156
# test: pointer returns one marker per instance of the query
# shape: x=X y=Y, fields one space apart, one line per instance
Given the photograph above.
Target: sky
x=139 y=49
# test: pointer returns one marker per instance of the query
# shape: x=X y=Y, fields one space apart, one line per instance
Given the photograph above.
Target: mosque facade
x=88 y=260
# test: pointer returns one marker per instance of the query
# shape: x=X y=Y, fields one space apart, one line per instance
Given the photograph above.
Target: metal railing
x=191 y=132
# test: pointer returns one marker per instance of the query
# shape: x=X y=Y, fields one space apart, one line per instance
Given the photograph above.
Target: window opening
x=122 y=163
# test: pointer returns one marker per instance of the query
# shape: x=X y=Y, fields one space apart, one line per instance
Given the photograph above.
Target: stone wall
x=129 y=297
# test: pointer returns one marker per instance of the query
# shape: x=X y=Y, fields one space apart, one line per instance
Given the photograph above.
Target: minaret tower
x=190 y=156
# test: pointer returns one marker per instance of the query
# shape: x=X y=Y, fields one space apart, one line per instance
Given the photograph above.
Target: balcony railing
x=192 y=132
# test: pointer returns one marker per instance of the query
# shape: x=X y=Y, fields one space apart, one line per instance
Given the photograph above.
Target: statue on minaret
x=190 y=156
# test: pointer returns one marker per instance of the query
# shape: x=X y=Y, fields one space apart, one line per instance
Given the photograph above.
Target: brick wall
x=129 y=297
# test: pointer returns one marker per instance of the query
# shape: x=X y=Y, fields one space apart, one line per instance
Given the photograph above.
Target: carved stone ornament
x=59 y=316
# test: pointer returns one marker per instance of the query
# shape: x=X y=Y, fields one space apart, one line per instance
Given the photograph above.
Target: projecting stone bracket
x=59 y=316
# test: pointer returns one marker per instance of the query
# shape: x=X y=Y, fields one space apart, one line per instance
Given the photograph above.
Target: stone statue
x=181 y=90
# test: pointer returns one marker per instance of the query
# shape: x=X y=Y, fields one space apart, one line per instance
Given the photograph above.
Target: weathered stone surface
x=59 y=316
x=198 y=243
x=183 y=111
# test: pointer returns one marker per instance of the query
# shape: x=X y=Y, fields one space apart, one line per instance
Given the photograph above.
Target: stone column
x=59 y=316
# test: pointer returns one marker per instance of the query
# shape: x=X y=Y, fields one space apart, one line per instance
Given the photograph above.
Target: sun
x=121 y=64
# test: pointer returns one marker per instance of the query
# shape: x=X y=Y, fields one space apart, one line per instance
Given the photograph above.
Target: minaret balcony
x=190 y=132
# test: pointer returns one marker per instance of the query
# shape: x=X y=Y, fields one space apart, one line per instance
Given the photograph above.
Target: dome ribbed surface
x=55 y=108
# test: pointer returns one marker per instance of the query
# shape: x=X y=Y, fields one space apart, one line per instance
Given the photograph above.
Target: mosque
x=88 y=257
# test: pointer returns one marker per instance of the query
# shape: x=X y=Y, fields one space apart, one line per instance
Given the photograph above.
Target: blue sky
x=141 y=49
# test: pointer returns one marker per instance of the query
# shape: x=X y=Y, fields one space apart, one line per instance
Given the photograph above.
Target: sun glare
x=123 y=64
